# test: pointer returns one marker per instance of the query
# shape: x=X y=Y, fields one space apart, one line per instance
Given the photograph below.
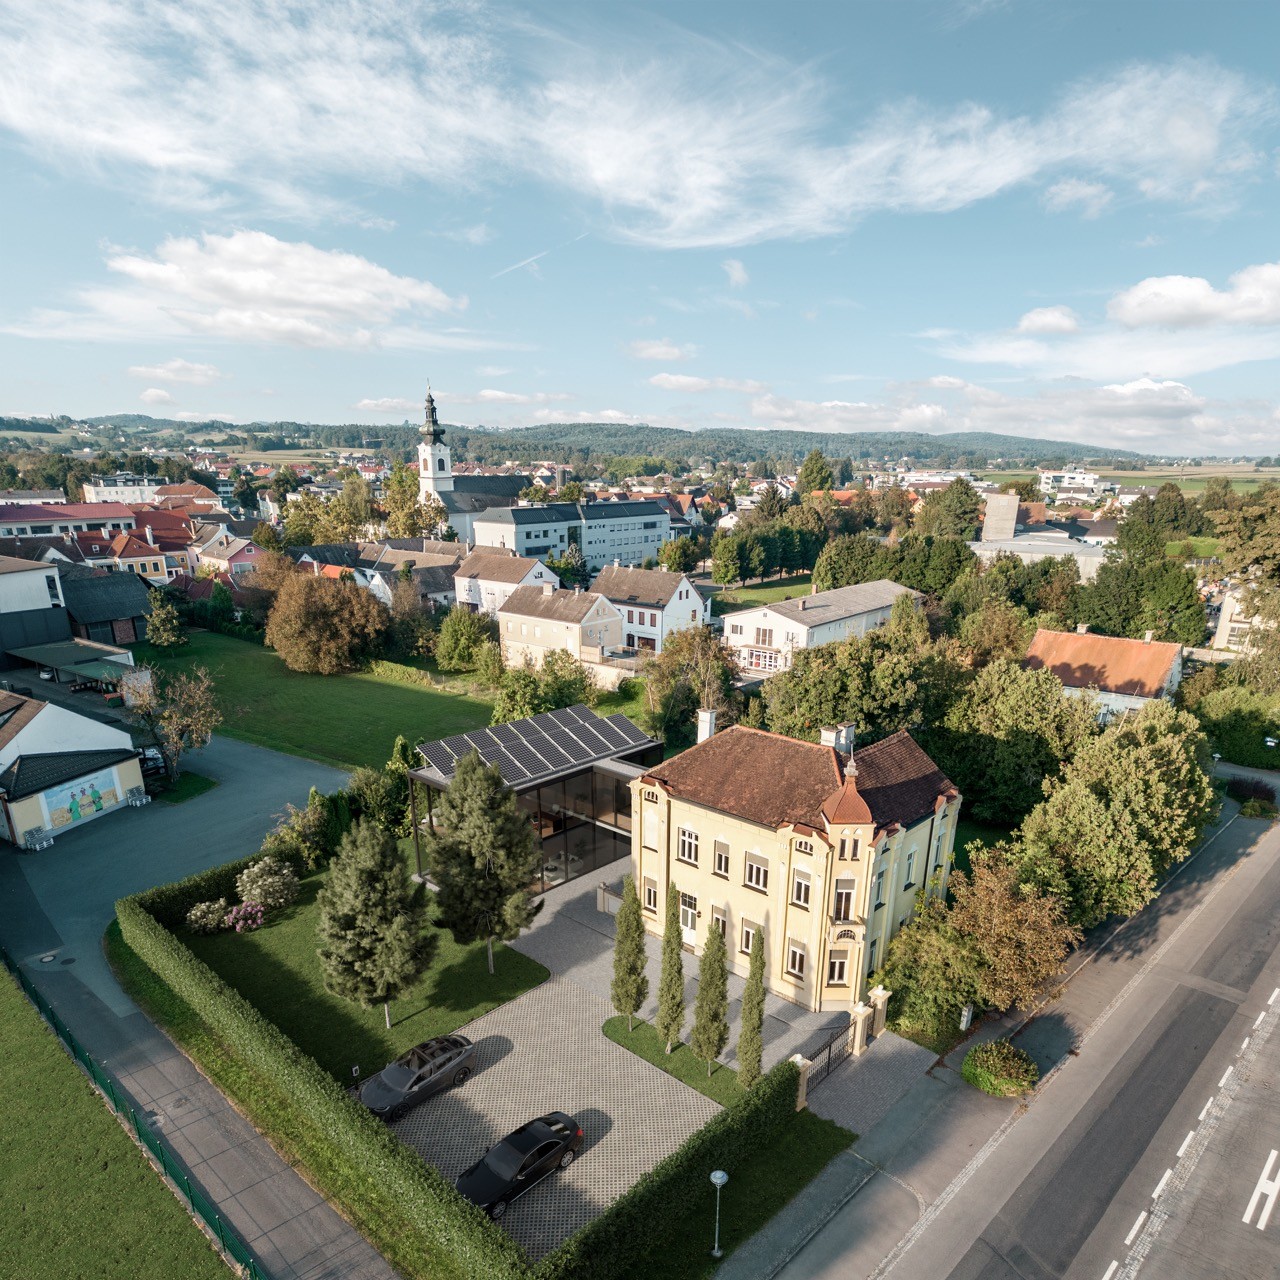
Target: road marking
x=1186 y=1142
x=1205 y=1109
x=1268 y=1187
x=1244 y=1044
x=1226 y=1075
x=1110 y=1271
x=1155 y=1195
x=1274 y=996
x=1257 y=1022
x=1137 y=1226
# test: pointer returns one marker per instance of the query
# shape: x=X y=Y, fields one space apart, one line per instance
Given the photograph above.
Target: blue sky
x=1031 y=216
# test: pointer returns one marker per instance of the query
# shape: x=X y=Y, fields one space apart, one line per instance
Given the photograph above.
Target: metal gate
x=828 y=1056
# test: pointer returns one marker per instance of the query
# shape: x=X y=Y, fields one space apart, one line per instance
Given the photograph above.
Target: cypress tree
x=671 y=984
x=711 y=1008
x=370 y=928
x=751 y=1036
x=483 y=857
x=630 y=985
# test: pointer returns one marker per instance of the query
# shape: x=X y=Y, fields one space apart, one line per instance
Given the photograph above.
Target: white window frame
x=760 y=867
x=687 y=846
x=840 y=892
x=797 y=958
x=911 y=866
x=721 y=856
x=650 y=895
x=748 y=935
x=801 y=888
x=804 y=846
x=720 y=918
x=838 y=969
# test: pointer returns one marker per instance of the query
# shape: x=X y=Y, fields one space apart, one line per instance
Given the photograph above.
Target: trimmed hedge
x=635 y=1225
x=378 y=1182
x=1000 y=1069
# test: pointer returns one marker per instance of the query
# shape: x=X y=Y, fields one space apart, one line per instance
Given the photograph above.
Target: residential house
x=818 y=847
x=1123 y=674
x=32 y=497
x=1052 y=482
x=535 y=620
x=653 y=602
x=32 y=607
x=764 y=638
x=1235 y=621
x=109 y=608
x=189 y=496
x=229 y=554
x=124 y=553
x=59 y=769
x=485 y=580
x=30 y=519
x=626 y=532
x=123 y=486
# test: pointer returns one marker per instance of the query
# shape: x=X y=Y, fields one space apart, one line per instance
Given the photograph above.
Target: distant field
x=1191 y=480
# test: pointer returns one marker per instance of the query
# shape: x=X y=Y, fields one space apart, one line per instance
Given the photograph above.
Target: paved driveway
x=544 y=1052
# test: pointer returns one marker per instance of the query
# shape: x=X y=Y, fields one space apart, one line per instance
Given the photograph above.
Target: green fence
x=111 y=1089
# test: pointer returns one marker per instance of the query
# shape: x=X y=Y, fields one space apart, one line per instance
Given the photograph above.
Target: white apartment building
x=486 y=579
x=124 y=486
x=653 y=604
x=765 y=639
x=1082 y=481
x=626 y=532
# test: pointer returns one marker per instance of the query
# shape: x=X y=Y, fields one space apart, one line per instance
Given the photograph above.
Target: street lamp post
x=718 y=1179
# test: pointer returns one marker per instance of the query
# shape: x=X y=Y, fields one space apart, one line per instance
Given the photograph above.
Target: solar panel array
x=529 y=751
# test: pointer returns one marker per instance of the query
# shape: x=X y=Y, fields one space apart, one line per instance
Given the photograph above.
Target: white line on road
x=1205 y=1109
x=1257 y=1022
x=1244 y=1044
x=1274 y=996
x=1137 y=1226
x=1110 y=1271
x=1226 y=1075
x=1186 y=1142
x=1155 y=1195
x=1268 y=1187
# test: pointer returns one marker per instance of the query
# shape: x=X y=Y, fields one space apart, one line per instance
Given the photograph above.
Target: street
x=1148 y=1150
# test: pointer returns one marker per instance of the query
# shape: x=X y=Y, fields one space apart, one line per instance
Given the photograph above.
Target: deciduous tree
x=164 y=626
x=693 y=670
x=371 y=920
x=460 y=635
x=483 y=857
x=327 y=627
x=180 y=711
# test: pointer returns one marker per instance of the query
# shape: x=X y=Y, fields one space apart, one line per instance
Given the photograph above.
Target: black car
x=521 y=1160
x=424 y=1070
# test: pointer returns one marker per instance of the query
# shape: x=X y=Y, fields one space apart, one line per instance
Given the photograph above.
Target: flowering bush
x=208 y=917
x=268 y=881
x=247 y=917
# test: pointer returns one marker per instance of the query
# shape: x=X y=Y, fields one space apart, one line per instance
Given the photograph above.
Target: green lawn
x=720 y=1086
x=344 y=720
x=731 y=599
x=968 y=830
x=276 y=969
x=757 y=1189
x=188 y=786
x=632 y=705
x=1201 y=548
x=80 y=1199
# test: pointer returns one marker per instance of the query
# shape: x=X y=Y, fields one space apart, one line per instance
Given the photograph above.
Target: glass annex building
x=570 y=771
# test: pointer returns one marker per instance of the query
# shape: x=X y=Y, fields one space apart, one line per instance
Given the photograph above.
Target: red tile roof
x=1108 y=663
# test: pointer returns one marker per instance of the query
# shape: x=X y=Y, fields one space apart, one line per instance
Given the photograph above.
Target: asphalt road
x=1144 y=1151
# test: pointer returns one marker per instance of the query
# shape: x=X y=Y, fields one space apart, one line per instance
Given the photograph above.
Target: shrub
x=405 y=1207
x=208 y=917
x=246 y=917
x=1000 y=1069
x=620 y=1240
x=1257 y=809
x=169 y=903
x=270 y=882
x=1251 y=789
x=400 y=673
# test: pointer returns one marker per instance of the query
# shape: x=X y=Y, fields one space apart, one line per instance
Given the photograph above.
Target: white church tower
x=435 y=469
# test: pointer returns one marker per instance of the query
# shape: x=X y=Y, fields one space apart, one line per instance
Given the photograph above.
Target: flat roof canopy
x=77 y=657
x=538 y=749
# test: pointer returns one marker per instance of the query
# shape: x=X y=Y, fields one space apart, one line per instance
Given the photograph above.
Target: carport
x=82 y=662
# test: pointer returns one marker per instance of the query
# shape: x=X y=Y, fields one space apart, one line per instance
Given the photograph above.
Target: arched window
x=439 y=464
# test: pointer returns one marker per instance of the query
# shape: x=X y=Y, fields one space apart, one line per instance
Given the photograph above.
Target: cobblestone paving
x=860 y=1091
x=544 y=1052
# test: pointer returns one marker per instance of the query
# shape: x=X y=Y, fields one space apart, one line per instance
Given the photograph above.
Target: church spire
x=430 y=423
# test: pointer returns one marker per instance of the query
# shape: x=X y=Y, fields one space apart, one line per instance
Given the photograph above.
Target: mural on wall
x=71 y=802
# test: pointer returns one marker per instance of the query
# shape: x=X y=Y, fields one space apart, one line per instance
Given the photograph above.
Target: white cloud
x=493 y=396
x=224 y=104
x=493 y=371
x=1176 y=302
x=736 y=272
x=155 y=395
x=1049 y=320
x=661 y=349
x=686 y=382
x=386 y=404
x=253 y=288
x=177 y=370
x=1091 y=198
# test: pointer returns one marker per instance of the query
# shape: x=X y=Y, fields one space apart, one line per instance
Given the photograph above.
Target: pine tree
x=630 y=985
x=164 y=627
x=483 y=857
x=371 y=920
x=711 y=1008
x=671 y=984
x=751 y=1037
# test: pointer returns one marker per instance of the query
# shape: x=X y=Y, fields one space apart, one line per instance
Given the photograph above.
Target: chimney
x=1082 y=629
x=151 y=537
x=706 y=723
x=845 y=738
x=1146 y=639
x=828 y=736
x=548 y=588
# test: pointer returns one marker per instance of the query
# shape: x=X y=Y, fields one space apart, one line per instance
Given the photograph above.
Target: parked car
x=425 y=1069
x=520 y=1161
x=151 y=762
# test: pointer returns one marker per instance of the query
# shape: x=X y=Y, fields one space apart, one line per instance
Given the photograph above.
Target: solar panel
x=513 y=773
x=548 y=746
x=634 y=735
x=504 y=733
x=612 y=734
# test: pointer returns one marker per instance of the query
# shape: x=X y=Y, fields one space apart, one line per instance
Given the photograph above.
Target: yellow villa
x=820 y=847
